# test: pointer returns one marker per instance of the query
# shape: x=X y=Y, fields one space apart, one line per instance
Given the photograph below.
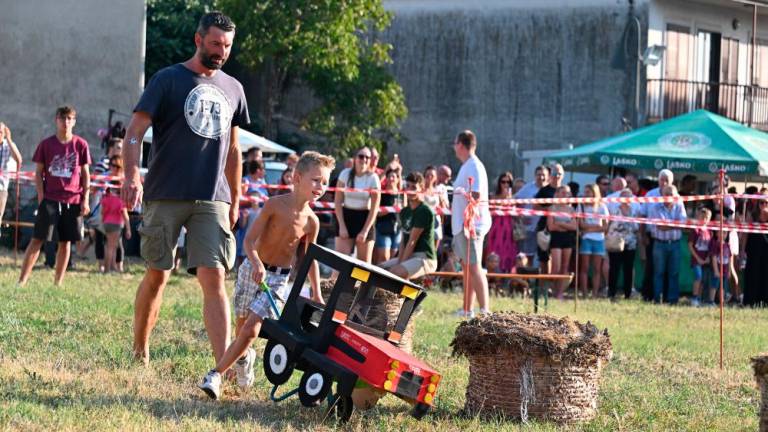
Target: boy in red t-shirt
x=62 y=182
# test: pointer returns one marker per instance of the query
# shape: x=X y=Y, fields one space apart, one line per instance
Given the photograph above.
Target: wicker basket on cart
x=532 y=366
x=760 y=364
x=381 y=315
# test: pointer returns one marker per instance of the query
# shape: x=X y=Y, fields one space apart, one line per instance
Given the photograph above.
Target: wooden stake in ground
x=720 y=263
x=469 y=229
x=16 y=230
x=576 y=285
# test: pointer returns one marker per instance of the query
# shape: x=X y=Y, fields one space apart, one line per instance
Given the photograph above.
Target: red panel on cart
x=378 y=353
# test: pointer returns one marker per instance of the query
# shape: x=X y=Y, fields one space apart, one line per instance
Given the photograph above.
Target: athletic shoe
x=244 y=369
x=695 y=302
x=211 y=384
x=461 y=314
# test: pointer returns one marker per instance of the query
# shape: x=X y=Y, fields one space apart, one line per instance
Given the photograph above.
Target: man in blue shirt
x=666 y=245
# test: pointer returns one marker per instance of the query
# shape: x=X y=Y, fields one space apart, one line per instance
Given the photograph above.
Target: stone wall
x=538 y=73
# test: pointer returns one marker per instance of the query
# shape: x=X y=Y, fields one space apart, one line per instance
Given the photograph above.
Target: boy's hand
x=85 y=209
x=343 y=232
x=258 y=271
x=127 y=234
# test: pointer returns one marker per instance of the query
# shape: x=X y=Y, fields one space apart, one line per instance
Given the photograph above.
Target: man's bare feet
x=141 y=357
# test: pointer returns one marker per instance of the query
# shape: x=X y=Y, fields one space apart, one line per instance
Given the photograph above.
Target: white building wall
x=709 y=15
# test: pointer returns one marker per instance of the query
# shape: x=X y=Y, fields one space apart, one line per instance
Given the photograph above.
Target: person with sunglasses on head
x=356 y=211
x=500 y=237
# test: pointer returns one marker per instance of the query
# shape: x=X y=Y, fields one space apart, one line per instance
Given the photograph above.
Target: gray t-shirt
x=192 y=116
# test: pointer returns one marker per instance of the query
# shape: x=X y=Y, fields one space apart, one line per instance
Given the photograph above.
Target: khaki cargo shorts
x=209 y=242
x=417 y=265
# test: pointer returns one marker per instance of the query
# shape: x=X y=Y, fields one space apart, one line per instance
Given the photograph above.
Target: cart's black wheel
x=278 y=363
x=420 y=410
x=342 y=407
x=314 y=387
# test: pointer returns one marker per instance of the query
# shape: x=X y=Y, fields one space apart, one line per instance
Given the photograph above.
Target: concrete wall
x=89 y=53
x=536 y=72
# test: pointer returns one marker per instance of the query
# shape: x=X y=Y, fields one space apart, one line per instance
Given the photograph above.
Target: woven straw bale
x=532 y=366
x=760 y=364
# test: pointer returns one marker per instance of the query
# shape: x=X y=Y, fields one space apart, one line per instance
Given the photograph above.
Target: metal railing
x=667 y=98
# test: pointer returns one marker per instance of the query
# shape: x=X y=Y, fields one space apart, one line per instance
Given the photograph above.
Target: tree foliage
x=171 y=26
x=331 y=46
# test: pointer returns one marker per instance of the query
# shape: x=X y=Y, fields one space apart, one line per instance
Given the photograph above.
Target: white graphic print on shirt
x=63 y=165
x=207 y=110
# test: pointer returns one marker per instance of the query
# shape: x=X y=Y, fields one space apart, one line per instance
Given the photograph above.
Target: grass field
x=65 y=365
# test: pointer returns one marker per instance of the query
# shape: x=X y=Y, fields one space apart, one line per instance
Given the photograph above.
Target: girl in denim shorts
x=592 y=246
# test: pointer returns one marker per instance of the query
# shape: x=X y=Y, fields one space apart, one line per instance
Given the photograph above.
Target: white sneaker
x=695 y=302
x=211 y=384
x=244 y=369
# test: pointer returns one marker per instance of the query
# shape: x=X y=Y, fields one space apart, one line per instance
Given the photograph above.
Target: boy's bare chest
x=290 y=224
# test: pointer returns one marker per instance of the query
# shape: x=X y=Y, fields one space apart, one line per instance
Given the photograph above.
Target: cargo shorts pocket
x=153 y=244
x=229 y=249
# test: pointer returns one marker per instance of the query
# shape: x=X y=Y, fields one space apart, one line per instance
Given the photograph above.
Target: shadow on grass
x=285 y=415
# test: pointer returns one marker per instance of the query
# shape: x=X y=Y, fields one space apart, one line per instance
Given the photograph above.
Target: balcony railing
x=745 y=104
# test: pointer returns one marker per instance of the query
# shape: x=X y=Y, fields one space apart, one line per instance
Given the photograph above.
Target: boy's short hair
x=311 y=159
x=65 y=111
x=415 y=177
x=705 y=211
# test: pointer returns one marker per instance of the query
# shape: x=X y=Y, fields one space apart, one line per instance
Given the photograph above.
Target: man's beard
x=207 y=61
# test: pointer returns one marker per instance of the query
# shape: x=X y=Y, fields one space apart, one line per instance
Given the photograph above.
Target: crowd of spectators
x=606 y=251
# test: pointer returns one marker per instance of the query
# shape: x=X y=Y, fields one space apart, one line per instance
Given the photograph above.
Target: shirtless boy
x=271 y=244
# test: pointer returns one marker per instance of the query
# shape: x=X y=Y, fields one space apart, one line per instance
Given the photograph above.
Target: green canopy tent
x=697 y=142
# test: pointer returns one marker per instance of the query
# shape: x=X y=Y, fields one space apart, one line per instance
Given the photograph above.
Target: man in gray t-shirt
x=193 y=179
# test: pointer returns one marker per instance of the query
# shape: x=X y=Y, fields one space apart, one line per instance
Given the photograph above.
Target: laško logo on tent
x=731 y=168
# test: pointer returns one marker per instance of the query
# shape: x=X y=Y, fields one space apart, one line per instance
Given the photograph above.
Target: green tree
x=331 y=46
x=171 y=26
